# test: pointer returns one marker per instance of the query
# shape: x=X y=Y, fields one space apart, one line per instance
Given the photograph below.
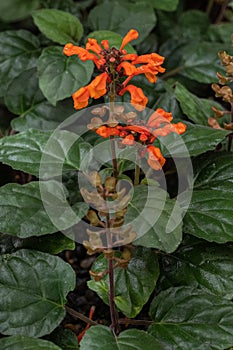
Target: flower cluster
x=117 y=68
x=159 y=124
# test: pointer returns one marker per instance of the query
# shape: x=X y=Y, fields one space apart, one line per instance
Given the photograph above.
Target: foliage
x=175 y=276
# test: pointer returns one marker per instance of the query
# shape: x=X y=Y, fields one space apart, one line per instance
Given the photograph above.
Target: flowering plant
x=116 y=187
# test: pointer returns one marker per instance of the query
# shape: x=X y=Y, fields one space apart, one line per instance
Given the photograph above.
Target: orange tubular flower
x=106 y=131
x=81 y=98
x=138 y=99
x=97 y=87
x=155 y=158
x=114 y=65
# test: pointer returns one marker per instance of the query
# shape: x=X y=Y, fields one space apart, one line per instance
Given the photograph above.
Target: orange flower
x=155 y=158
x=81 y=98
x=97 y=87
x=158 y=117
x=130 y=36
x=129 y=68
x=106 y=131
x=128 y=140
x=138 y=99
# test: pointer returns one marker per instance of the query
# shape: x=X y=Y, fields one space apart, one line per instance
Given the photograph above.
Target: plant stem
x=209 y=6
x=230 y=137
x=171 y=72
x=80 y=316
x=222 y=12
x=114 y=160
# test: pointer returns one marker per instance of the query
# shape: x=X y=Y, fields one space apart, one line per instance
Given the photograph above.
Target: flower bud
x=110 y=183
x=93 y=218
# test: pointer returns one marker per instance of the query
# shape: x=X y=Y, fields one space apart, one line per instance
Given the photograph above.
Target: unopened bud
x=95 y=179
x=93 y=218
x=110 y=183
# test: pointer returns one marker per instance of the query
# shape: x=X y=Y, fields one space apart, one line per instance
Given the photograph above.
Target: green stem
x=209 y=6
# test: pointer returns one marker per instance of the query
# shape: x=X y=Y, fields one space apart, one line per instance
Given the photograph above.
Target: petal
x=105 y=44
x=158 y=117
x=131 y=35
x=128 y=140
x=180 y=128
x=129 y=57
x=81 y=97
x=97 y=87
x=129 y=69
x=138 y=99
x=152 y=58
x=92 y=45
x=82 y=53
x=105 y=131
x=155 y=158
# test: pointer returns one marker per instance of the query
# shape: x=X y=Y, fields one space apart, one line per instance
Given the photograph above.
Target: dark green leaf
x=209 y=215
x=19 y=52
x=59 y=26
x=197 y=109
x=220 y=33
x=17 y=342
x=43 y=116
x=123 y=17
x=165 y=5
x=155 y=218
x=15 y=10
x=35 y=152
x=213 y=171
x=54 y=243
x=133 y=285
x=19 y=100
x=60 y=76
x=187 y=318
x=196 y=140
x=114 y=39
x=65 y=338
x=201 y=62
x=22 y=209
x=33 y=289
x=101 y=337
x=202 y=265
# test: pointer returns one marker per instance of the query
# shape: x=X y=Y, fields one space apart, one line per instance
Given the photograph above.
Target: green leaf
x=197 y=109
x=60 y=76
x=133 y=285
x=65 y=338
x=17 y=342
x=196 y=140
x=113 y=38
x=124 y=16
x=33 y=289
x=53 y=244
x=205 y=266
x=62 y=148
x=22 y=209
x=187 y=318
x=43 y=116
x=213 y=171
x=201 y=62
x=155 y=218
x=15 y=10
x=59 y=26
x=209 y=214
x=20 y=100
x=19 y=52
x=165 y=5
x=220 y=33
x=101 y=337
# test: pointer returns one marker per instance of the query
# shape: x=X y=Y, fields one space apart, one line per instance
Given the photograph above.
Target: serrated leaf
x=20 y=50
x=196 y=140
x=188 y=318
x=59 y=26
x=60 y=76
x=113 y=38
x=22 y=209
x=101 y=337
x=33 y=289
x=24 y=151
x=17 y=342
x=204 y=265
x=15 y=10
x=196 y=109
x=133 y=285
x=155 y=218
x=124 y=16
